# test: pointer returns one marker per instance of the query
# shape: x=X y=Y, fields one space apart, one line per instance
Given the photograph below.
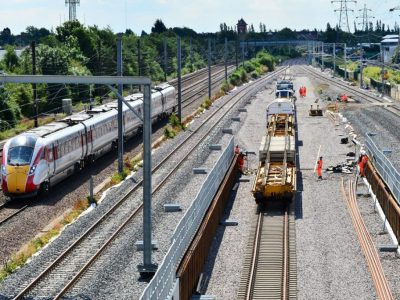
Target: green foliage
x=22 y=95
x=169 y=132
x=254 y=75
x=158 y=27
x=207 y=103
x=254 y=68
x=11 y=60
x=10 y=112
x=174 y=120
x=118 y=177
x=266 y=59
x=226 y=87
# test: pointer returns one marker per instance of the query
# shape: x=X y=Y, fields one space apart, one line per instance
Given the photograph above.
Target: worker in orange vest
x=319 y=168
x=237 y=149
x=240 y=160
x=362 y=162
x=344 y=98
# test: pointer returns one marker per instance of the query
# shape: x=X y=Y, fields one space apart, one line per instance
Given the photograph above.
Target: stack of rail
x=276 y=174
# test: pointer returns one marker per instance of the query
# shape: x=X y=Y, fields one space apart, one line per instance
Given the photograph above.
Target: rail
x=269 y=267
x=163 y=281
x=384 y=166
x=367 y=245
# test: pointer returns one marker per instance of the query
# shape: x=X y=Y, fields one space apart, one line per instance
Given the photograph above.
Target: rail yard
x=264 y=228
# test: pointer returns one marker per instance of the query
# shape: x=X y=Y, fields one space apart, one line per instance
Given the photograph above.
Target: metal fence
x=160 y=287
x=384 y=167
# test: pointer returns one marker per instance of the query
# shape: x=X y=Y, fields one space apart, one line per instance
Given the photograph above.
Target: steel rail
x=35 y=281
x=253 y=266
x=367 y=245
x=12 y=215
x=285 y=275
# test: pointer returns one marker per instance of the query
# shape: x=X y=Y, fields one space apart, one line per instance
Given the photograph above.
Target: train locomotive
x=43 y=156
x=276 y=173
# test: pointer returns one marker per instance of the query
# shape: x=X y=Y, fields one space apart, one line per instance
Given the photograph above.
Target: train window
x=43 y=154
x=20 y=155
x=50 y=155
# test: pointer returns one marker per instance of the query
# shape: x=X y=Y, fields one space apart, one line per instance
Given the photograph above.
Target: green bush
x=174 y=120
x=169 y=133
x=234 y=78
x=207 y=103
x=118 y=177
x=254 y=75
x=249 y=66
x=226 y=87
x=243 y=76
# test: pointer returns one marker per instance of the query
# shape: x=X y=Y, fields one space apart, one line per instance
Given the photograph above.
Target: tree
x=6 y=37
x=9 y=110
x=67 y=29
x=11 y=59
x=158 y=27
x=287 y=34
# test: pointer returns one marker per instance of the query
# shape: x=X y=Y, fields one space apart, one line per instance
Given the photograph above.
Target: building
x=389 y=44
x=242 y=26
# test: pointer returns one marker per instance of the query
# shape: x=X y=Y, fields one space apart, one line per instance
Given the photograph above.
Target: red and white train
x=43 y=156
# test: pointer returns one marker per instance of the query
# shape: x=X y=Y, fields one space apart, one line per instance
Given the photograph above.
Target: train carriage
x=43 y=156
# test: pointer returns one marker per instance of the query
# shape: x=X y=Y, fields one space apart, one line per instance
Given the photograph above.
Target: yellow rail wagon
x=276 y=173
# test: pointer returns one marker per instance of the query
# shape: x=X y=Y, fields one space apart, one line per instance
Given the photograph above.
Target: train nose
x=16 y=179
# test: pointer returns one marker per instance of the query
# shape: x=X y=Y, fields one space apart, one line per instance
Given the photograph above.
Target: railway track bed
x=270 y=264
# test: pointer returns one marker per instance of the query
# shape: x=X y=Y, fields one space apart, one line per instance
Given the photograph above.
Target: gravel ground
x=329 y=258
x=125 y=266
x=385 y=124
x=25 y=226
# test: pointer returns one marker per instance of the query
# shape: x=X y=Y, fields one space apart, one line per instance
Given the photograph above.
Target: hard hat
x=363 y=152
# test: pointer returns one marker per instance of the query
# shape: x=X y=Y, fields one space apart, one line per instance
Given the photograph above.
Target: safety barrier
x=384 y=167
x=163 y=282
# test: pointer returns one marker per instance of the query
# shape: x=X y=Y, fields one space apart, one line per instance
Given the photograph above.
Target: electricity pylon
x=343 y=15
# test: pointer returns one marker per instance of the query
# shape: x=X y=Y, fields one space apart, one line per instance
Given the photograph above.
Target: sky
x=202 y=16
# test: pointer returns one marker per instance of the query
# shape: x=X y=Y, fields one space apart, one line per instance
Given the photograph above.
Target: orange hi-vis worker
x=344 y=98
x=362 y=162
x=319 y=168
x=240 y=161
x=237 y=149
x=304 y=91
x=301 y=91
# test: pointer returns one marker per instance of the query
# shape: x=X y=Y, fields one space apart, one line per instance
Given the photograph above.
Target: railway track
x=10 y=210
x=192 y=92
x=63 y=272
x=355 y=91
x=367 y=245
x=270 y=262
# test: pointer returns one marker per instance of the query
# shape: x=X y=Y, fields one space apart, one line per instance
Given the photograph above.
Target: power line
x=343 y=15
x=365 y=17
